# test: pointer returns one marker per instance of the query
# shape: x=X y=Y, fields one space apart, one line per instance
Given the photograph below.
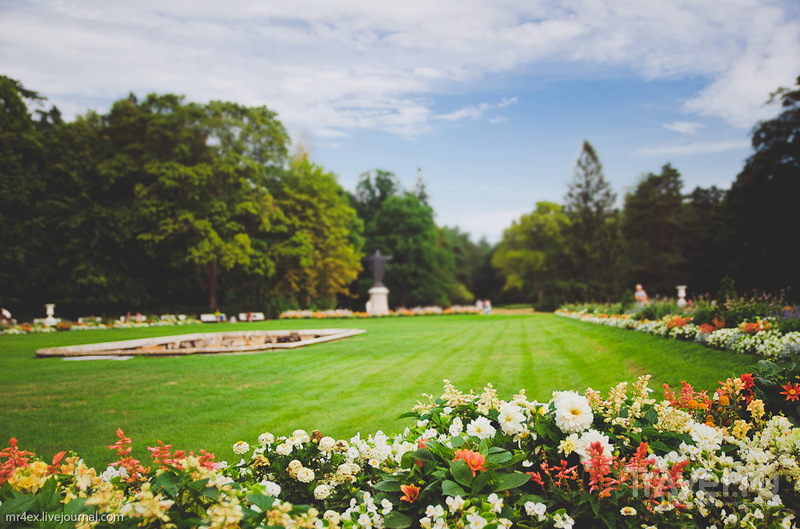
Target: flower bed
x=347 y=314
x=625 y=459
x=64 y=325
x=756 y=337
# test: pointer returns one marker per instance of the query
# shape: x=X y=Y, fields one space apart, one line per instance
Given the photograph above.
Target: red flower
x=411 y=493
x=792 y=391
x=474 y=460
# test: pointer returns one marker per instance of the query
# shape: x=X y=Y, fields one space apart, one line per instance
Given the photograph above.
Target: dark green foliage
x=770 y=378
x=657 y=310
x=762 y=203
x=159 y=204
x=652 y=228
x=594 y=244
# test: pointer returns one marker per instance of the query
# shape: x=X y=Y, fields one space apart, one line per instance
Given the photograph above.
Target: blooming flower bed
x=748 y=337
x=64 y=325
x=624 y=459
x=346 y=314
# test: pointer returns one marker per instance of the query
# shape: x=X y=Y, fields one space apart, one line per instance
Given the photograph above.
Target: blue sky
x=491 y=99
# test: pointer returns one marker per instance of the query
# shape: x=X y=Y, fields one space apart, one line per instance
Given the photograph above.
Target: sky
x=489 y=101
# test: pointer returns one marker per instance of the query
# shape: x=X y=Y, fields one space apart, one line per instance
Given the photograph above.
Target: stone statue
x=378 y=264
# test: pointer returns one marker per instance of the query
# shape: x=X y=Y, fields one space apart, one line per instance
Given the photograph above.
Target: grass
x=360 y=384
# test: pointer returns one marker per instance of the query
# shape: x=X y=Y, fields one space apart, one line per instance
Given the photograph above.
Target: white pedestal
x=681 y=295
x=378 y=304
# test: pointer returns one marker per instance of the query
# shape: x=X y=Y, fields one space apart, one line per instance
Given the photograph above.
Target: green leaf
x=658 y=445
x=169 y=482
x=387 y=486
x=451 y=488
x=397 y=520
x=456 y=442
x=18 y=505
x=461 y=472
x=261 y=501
x=511 y=481
x=424 y=455
x=499 y=458
x=480 y=482
x=651 y=416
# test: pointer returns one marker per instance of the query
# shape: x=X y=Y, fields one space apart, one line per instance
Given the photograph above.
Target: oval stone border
x=203 y=343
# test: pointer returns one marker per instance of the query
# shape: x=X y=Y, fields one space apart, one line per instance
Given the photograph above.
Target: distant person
x=487 y=306
x=5 y=315
x=479 y=305
x=640 y=296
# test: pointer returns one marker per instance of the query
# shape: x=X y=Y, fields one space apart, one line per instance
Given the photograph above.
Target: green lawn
x=358 y=384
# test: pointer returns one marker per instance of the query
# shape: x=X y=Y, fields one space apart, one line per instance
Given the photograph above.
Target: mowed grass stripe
x=359 y=384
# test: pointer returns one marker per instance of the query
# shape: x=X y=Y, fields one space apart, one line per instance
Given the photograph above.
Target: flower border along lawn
x=356 y=385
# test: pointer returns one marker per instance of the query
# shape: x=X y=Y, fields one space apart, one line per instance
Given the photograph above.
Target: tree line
x=163 y=205
x=588 y=249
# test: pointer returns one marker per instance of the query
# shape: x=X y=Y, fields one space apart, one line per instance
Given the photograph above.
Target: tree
x=421 y=271
x=401 y=224
x=594 y=240
x=703 y=237
x=322 y=255
x=762 y=203
x=215 y=204
x=530 y=254
x=652 y=227
x=22 y=162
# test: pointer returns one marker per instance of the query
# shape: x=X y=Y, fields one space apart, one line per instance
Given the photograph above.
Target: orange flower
x=474 y=460
x=411 y=493
x=792 y=392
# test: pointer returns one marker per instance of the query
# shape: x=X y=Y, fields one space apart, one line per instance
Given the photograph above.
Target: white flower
x=454 y=504
x=587 y=439
x=563 y=521
x=476 y=521
x=305 y=475
x=322 y=492
x=266 y=438
x=327 y=444
x=241 y=447
x=271 y=488
x=364 y=520
x=481 y=428
x=572 y=411
x=627 y=511
x=387 y=506
x=511 y=418
x=332 y=517
x=456 y=427
x=283 y=449
x=536 y=509
x=434 y=511
x=496 y=502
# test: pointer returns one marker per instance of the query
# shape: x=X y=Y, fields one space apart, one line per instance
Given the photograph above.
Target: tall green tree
x=594 y=240
x=652 y=223
x=22 y=163
x=216 y=204
x=401 y=224
x=704 y=236
x=531 y=255
x=322 y=254
x=762 y=202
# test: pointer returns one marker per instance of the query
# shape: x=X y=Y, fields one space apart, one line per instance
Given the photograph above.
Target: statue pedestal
x=378 y=301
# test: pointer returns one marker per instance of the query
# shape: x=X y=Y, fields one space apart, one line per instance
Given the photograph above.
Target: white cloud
x=690 y=149
x=684 y=127
x=359 y=64
x=476 y=111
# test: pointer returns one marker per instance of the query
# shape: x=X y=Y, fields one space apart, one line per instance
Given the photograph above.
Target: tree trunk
x=212 y=275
